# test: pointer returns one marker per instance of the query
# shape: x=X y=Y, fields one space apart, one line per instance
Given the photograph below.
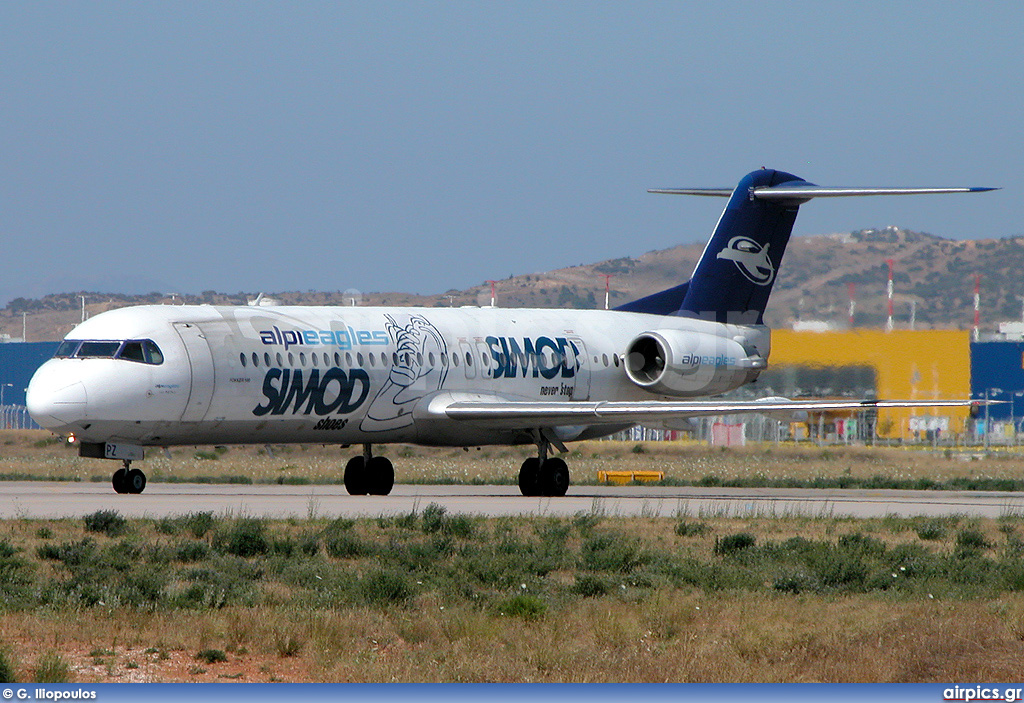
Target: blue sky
x=419 y=147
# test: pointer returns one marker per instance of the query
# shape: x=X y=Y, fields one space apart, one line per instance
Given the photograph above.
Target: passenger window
x=302 y=358
x=67 y=348
x=291 y=359
x=266 y=359
x=373 y=359
x=383 y=359
x=280 y=361
x=327 y=360
x=348 y=358
x=313 y=359
x=604 y=359
x=359 y=358
x=469 y=359
x=337 y=359
x=615 y=358
x=430 y=358
x=241 y=357
x=455 y=360
x=255 y=360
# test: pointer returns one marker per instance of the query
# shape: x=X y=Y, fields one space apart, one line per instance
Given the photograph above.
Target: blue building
x=18 y=361
x=997 y=373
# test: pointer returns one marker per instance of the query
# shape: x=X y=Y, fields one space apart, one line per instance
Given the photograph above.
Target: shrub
x=211 y=656
x=734 y=543
x=692 y=529
x=198 y=523
x=589 y=586
x=8 y=669
x=346 y=545
x=108 y=522
x=433 y=518
x=51 y=668
x=523 y=605
x=288 y=645
x=382 y=587
x=971 y=540
x=609 y=552
x=932 y=531
x=245 y=538
x=192 y=551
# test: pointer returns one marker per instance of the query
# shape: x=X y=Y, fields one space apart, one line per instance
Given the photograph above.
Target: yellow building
x=901 y=365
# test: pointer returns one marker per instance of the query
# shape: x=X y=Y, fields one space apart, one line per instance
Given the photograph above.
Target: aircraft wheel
x=554 y=477
x=120 y=481
x=135 y=481
x=380 y=476
x=355 y=476
x=529 y=477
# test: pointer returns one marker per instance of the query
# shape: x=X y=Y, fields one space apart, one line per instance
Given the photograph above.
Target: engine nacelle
x=681 y=363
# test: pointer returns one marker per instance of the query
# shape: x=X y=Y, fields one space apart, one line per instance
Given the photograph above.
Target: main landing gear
x=128 y=480
x=369 y=475
x=543 y=476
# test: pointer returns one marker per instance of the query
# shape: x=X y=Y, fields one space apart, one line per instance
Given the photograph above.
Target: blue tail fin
x=735 y=274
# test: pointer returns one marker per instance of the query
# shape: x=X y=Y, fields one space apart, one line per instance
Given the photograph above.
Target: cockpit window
x=67 y=348
x=98 y=350
x=142 y=351
x=153 y=354
x=132 y=351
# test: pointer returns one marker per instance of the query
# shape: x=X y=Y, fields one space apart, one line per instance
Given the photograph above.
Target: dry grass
x=679 y=637
x=34 y=454
x=453 y=626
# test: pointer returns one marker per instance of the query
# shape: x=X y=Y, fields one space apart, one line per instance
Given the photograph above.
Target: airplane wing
x=499 y=413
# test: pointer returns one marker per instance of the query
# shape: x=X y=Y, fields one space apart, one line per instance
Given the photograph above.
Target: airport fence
x=16 y=417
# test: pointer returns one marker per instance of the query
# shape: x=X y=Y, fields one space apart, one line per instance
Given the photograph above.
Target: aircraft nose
x=55 y=400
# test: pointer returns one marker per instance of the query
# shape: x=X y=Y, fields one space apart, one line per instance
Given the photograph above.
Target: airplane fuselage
x=251 y=374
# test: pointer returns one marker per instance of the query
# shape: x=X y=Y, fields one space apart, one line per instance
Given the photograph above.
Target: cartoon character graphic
x=417 y=369
x=751 y=259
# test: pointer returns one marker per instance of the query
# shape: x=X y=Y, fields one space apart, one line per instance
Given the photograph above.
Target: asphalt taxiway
x=36 y=499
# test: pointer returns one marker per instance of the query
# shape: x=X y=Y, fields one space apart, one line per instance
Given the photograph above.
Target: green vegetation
x=429 y=595
x=513 y=566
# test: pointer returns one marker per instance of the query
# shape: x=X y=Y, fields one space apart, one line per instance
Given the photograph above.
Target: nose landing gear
x=127 y=479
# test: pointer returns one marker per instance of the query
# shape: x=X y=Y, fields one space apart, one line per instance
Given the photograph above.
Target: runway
x=36 y=499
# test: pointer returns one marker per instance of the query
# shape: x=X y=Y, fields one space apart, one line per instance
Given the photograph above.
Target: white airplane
x=168 y=375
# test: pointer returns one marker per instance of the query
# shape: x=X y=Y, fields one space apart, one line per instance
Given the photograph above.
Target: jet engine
x=683 y=364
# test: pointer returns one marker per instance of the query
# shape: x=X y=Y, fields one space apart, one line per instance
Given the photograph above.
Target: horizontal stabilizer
x=801 y=192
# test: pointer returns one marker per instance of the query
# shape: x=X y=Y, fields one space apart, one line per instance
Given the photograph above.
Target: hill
x=935 y=273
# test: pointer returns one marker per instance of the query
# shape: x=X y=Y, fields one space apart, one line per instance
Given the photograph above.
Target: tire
x=380 y=476
x=529 y=477
x=554 y=477
x=355 y=476
x=120 y=481
x=135 y=481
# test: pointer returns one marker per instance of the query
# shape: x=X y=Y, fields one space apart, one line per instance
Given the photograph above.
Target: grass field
x=38 y=455
x=435 y=597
